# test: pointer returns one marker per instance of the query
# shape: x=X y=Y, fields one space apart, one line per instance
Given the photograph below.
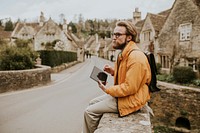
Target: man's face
x=119 y=37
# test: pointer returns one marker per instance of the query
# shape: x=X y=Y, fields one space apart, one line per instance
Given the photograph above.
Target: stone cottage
x=179 y=39
x=4 y=35
x=148 y=30
x=45 y=35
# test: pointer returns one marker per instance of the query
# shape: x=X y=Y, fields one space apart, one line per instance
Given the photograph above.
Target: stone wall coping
x=38 y=67
x=23 y=79
x=174 y=86
x=138 y=122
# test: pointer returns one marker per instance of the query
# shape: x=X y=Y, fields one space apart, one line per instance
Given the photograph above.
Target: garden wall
x=22 y=79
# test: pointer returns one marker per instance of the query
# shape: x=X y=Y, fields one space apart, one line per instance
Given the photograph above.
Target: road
x=54 y=108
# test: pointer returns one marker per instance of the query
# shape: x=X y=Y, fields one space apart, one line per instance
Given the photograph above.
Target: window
x=147 y=36
x=185 y=30
x=164 y=61
x=193 y=63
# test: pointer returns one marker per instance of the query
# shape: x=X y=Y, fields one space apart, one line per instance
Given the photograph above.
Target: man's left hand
x=101 y=85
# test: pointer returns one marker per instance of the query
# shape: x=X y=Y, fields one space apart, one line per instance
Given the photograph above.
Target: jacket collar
x=130 y=46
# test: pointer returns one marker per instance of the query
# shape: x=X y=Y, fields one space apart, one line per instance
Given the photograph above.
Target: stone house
x=4 y=35
x=179 y=38
x=148 y=30
x=45 y=35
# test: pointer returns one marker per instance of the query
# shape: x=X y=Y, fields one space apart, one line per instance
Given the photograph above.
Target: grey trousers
x=95 y=110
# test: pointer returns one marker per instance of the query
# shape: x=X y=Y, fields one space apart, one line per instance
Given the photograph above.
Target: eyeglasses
x=118 y=34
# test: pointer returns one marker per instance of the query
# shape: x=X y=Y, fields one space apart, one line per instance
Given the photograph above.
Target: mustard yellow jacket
x=134 y=74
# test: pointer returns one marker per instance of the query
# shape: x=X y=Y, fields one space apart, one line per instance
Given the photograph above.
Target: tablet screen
x=98 y=74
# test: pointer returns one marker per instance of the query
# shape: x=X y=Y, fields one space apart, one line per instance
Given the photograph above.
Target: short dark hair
x=130 y=28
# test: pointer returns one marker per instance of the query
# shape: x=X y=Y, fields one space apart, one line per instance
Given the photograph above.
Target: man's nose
x=114 y=37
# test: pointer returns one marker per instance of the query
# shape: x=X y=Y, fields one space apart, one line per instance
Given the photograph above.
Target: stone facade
x=149 y=32
x=44 y=32
x=176 y=107
x=22 y=79
x=179 y=38
x=5 y=35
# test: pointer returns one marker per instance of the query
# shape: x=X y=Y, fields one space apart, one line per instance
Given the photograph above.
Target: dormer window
x=185 y=31
x=147 y=35
x=24 y=34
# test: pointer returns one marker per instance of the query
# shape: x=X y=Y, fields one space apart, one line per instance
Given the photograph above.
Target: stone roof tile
x=5 y=34
x=157 y=21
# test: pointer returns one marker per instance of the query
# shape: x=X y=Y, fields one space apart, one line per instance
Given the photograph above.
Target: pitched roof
x=197 y=2
x=139 y=25
x=5 y=34
x=35 y=26
x=157 y=21
x=166 y=12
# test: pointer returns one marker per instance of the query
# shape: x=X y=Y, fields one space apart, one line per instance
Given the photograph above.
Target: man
x=132 y=75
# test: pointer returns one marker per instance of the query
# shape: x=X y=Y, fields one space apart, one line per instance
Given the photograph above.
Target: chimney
x=42 y=19
x=136 y=16
x=64 y=26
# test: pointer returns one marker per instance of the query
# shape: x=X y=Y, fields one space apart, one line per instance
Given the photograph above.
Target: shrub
x=196 y=82
x=14 y=58
x=162 y=77
x=183 y=74
x=158 y=67
x=54 y=58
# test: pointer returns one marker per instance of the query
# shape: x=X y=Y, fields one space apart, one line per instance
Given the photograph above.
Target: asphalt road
x=55 y=108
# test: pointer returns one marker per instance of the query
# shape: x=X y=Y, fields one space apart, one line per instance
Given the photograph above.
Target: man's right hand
x=109 y=69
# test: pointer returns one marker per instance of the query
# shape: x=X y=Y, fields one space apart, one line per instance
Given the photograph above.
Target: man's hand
x=109 y=69
x=101 y=85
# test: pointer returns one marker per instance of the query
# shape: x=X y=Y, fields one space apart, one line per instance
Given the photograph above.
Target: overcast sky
x=90 y=9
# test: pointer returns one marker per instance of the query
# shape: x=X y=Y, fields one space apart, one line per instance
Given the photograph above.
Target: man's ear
x=129 y=38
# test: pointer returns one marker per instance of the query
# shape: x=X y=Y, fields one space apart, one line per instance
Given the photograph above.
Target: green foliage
x=162 y=77
x=158 y=67
x=2 y=42
x=198 y=65
x=9 y=26
x=162 y=129
x=54 y=58
x=20 y=43
x=14 y=58
x=183 y=74
x=50 y=45
x=184 y=112
x=196 y=82
x=73 y=27
x=1 y=23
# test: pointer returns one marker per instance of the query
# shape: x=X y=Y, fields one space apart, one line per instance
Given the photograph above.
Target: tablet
x=98 y=74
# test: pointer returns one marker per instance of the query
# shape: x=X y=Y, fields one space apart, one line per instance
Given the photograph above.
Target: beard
x=119 y=46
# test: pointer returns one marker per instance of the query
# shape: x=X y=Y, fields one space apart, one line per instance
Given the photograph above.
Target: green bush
x=54 y=58
x=14 y=58
x=196 y=82
x=158 y=67
x=161 y=77
x=163 y=129
x=183 y=74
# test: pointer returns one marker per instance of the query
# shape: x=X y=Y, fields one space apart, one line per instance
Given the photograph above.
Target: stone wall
x=176 y=107
x=138 y=122
x=63 y=66
x=21 y=79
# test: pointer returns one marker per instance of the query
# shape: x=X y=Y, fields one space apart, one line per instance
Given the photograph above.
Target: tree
x=73 y=27
x=1 y=23
x=9 y=26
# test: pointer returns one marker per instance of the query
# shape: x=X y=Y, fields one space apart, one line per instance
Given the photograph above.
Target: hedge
x=55 y=58
x=15 y=58
x=183 y=74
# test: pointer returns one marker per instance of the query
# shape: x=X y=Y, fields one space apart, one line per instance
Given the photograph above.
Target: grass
x=169 y=78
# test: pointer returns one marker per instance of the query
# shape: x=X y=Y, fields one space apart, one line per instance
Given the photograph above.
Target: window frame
x=185 y=31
